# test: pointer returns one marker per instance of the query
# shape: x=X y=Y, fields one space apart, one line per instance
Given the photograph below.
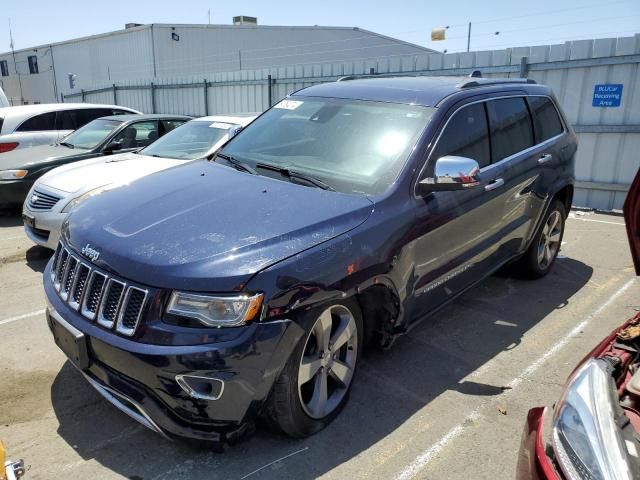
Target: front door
x=460 y=233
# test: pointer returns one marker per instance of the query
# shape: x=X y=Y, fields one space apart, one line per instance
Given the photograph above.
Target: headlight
x=216 y=311
x=91 y=193
x=587 y=442
x=13 y=174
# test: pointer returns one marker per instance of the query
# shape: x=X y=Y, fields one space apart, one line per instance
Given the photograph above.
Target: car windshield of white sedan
x=349 y=145
x=189 y=141
x=91 y=135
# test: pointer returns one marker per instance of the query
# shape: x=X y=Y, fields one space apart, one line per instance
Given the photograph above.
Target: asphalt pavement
x=448 y=401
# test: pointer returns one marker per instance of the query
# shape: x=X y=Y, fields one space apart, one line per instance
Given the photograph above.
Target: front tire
x=315 y=383
x=542 y=253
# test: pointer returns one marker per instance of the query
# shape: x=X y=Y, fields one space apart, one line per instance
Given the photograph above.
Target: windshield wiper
x=285 y=172
x=67 y=144
x=236 y=163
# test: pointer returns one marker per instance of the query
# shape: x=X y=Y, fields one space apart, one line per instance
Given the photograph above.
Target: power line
x=546 y=26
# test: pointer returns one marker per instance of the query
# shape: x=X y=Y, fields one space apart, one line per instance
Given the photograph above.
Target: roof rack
x=375 y=75
x=483 y=82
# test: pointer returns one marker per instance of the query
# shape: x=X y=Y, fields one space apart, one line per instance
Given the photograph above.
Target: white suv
x=30 y=125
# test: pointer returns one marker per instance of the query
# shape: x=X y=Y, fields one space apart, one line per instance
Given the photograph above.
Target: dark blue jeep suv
x=202 y=297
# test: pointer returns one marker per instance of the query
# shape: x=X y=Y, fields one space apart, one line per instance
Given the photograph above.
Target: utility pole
x=15 y=64
x=469 y=37
x=209 y=14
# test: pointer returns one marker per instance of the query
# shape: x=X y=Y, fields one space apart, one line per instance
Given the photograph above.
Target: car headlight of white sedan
x=85 y=196
x=587 y=441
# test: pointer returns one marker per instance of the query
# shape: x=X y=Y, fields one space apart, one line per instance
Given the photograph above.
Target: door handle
x=545 y=158
x=497 y=183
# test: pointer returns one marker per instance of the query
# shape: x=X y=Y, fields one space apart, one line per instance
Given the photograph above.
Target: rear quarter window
x=546 y=121
x=510 y=127
x=42 y=122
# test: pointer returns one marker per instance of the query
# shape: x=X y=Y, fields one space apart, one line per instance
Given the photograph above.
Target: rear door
x=513 y=155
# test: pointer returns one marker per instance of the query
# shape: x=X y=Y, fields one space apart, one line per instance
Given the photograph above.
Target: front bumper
x=47 y=226
x=13 y=192
x=533 y=461
x=140 y=379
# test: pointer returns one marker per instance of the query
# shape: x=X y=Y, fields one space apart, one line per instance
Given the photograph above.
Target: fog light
x=202 y=388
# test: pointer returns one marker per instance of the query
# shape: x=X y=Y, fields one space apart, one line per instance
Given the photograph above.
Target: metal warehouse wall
x=161 y=51
x=116 y=56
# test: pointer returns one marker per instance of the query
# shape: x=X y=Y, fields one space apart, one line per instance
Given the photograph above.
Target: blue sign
x=607 y=95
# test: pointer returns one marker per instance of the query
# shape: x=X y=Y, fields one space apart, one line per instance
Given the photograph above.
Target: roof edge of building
x=215 y=26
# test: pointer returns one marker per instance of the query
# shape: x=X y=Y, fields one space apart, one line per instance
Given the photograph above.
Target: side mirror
x=233 y=131
x=112 y=147
x=451 y=173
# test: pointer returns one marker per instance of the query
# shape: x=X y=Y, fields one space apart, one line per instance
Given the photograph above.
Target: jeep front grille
x=111 y=302
x=42 y=201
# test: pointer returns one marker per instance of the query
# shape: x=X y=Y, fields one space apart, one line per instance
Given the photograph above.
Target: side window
x=86 y=115
x=44 y=121
x=138 y=135
x=168 y=125
x=33 y=64
x=66 y=120
x=4 y=68
x=510 y=125
x=466 y=135
x=546 y=122
x=119 y=112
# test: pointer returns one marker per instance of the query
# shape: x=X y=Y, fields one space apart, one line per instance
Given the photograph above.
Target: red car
x=596 y=423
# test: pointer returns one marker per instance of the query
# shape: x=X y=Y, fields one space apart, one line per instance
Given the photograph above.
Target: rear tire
x=541 y=254
x=315 y=383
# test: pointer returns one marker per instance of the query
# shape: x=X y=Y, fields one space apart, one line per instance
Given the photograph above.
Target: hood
x=632 y=220
x=206 y=227
x=23 y=157
x=96 y=172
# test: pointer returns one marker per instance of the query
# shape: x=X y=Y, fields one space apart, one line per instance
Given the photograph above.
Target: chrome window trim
x=503 y=160
x=72 y=303
x=105 y=295
x=120 y=328
x=86 y=313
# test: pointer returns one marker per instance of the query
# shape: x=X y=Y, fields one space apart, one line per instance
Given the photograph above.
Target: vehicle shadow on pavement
x=10 y=218
x=38 y=257
x=390 y=388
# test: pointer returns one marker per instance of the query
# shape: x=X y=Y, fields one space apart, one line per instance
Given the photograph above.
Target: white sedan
x=57 y=192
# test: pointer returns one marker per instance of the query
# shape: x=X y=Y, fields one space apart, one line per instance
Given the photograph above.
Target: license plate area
x=70 y=340
x=29 y=220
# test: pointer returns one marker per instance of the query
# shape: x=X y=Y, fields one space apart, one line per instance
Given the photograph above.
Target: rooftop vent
x=132 y=25
x=244 y=20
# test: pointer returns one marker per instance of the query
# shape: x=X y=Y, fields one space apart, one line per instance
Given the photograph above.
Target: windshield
x=190 y=141
x=350 y=145
x=92 y=134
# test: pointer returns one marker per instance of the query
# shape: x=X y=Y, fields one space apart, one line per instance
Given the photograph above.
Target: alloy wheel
x=328 y=361
x=550 y=240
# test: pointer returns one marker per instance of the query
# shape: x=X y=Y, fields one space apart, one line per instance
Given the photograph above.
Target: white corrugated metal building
x=40 y=73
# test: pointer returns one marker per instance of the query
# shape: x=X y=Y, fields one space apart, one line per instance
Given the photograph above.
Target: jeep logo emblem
x=91 y=253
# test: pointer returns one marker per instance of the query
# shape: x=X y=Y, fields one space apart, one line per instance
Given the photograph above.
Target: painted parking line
x=411 y=470
x=23 y=316
x=596 y=221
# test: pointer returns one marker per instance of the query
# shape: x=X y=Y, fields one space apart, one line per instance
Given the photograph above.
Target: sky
x=520 y=23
